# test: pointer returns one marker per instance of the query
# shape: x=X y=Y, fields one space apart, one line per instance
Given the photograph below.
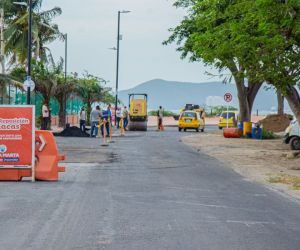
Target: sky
x=92 y=29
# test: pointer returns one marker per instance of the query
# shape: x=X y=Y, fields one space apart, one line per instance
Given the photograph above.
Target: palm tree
x=7 y=79
x=44 y=32
x=63 y=88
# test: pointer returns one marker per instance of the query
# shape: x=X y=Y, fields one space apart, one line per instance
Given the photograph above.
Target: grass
x=293 y=181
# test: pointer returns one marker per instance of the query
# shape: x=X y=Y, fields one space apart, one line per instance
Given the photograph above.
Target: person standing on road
x=118 y=115
x=125 y=117
x=106 y=115
x=160 y=114
x=95 y=118
x=82 y=119
x=45 y=116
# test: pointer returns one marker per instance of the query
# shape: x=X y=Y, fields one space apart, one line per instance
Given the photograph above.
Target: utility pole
x=29 y=55
x=65 y=96
x=2 y=52
x=2 y=58
x=117 y=69
x=118 y=57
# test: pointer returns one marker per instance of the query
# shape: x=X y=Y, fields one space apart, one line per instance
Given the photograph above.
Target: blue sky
x=92 y=29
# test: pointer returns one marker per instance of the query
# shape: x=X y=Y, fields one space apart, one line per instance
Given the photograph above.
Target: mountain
x=174 y=95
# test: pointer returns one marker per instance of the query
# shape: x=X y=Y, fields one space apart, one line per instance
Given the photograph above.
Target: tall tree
x=43 y=29
x=274 y=48
x=89 y=88
x=205 y=35
x=63 y=88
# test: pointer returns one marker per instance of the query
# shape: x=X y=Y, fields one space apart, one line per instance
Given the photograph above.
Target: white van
x=292 y=135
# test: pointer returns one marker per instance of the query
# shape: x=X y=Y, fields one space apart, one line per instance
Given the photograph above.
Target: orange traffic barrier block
x=14 y=174
x=232 y=132
x=47 y=157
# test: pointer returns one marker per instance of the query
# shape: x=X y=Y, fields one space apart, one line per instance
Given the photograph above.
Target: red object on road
x=232 y=133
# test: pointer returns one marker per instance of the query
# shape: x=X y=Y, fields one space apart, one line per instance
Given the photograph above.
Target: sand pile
x=72 y=132
x=276 y=123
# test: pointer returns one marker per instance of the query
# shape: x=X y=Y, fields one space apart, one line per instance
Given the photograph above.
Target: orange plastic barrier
x=232 y=132
x=14 y=174
x=46 y=165
x=47 y=157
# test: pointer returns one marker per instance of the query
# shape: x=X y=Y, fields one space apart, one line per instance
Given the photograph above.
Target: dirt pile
x=276 y=123
x=72 y=132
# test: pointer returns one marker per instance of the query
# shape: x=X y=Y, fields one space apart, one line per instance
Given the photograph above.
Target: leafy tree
x=256 y=40
x=63 y=88
x=279 y=50
x=270 y=48
x=43 y=30
x=90 y=90
x=205 y=34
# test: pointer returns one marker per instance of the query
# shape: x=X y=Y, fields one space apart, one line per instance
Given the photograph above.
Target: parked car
x=292 y=135
x=191 y=120
x=232 y=117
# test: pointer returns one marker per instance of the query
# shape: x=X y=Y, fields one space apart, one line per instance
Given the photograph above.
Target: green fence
x=15 y=96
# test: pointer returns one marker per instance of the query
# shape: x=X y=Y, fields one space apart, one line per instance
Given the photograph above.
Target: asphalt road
x=145 y=191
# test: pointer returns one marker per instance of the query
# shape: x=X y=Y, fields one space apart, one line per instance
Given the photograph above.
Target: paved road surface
x=145 y=191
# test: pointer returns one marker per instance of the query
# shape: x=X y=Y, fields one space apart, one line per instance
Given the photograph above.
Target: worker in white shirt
x=45 y=117
x=118 y=115
x=82 y=119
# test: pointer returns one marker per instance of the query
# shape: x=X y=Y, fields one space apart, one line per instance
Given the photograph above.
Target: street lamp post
x=66 y=64
x=118 y=57
x=29 y=47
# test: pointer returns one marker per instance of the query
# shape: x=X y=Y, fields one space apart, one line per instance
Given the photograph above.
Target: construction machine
x=138 y=116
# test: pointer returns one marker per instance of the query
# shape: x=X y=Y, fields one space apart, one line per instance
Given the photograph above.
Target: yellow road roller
x=138 y=116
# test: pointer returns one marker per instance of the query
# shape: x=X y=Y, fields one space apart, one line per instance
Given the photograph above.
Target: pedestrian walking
x=118 y=116
x=95 y=119
x=82 y=119
x=160 y=115
x=45 y=116
x=125 y=117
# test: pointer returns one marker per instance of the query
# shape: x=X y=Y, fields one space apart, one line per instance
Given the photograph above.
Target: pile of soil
x=72 y=132
x=276 y=123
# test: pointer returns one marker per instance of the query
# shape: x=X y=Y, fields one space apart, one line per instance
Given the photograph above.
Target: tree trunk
x=293 y=98
x=246 y=97
x=280 y=100
x=61 y=113
x=88 y=112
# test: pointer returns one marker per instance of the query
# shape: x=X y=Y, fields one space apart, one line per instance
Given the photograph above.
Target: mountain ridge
x=173 y=95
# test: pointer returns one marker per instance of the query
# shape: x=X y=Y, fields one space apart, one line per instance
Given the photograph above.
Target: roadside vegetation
x=292 y=181
x=217 y=110
x=257 y=41
x=166 y=113
x=51 y=82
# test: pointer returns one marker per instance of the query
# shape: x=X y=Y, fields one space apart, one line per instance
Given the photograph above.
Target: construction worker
x=95 y=118
x=160 y=115
x=125 y=117
x=118 y=116
x=107 y=115
x=82 y=119
x=45 y=116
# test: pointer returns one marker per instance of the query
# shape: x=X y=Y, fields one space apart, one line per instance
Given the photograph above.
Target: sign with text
x=17 y=136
